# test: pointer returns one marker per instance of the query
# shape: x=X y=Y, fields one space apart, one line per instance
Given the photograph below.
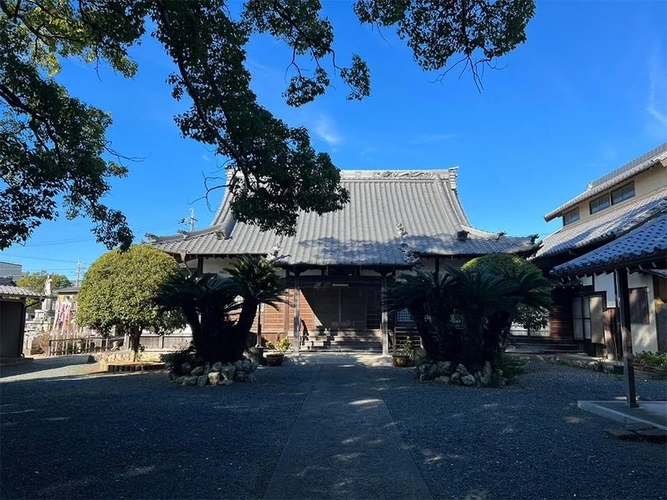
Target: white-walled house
x=612 y=247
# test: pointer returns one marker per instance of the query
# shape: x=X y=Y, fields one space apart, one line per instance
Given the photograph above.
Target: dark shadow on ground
x=41 y=364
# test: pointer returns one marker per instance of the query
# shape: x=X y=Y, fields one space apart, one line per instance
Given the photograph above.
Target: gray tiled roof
x=605 y=225
x=617 y=176
x=643 y=243
x=365 y=231
x=9 y=289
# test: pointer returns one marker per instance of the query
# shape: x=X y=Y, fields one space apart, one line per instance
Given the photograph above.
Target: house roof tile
x=645 y=242
x=605 y=225
x=9 y=289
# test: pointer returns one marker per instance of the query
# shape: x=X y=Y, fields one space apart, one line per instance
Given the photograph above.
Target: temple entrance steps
x=541 y=345
x=343 y=340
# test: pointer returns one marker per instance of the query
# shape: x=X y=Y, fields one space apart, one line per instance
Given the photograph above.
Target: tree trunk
x=242 y=328
x=192 y=318
x=135 y=336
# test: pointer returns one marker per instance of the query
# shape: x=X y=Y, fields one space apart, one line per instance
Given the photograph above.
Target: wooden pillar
x=623 y=301
x=297 y=314
x=384 y=325
x=437 y=265
x=259 y=325
x=200 y=264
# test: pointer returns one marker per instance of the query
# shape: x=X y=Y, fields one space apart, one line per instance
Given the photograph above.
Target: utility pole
x=79 y=266
x=190 y=220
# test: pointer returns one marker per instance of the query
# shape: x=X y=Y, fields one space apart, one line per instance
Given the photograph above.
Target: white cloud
x=326 y=129
x=431 y=138
x=657 y=93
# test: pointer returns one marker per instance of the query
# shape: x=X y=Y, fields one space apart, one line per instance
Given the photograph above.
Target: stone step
x=543 y=349
x=349 y=344
x=539 y=340
x=377 y=348
x=340 y=338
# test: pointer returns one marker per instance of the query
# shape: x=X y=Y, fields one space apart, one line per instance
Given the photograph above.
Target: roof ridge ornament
x=274 y=255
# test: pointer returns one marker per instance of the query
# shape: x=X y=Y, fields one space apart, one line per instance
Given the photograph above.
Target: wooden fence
x=66 y=346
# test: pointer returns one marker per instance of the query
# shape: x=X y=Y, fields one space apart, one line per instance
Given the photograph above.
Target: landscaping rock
x=239 y=364
x=443 y=379
x=461 y=370
x=419 y=354
x=487 y=370
x=445 y=368
x=202 y=380
x=207 y=368
x=250 y=377
x=179 y=380
x=217 y=366
x=456 y=377
x=214 y=378
x=197 y=371
x=227 y=372
x=185 y=367
x=190 y=380
x=468 y=380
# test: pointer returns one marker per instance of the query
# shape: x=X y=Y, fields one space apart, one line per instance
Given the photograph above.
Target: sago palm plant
x=206 y=300
x=259 y=283
x=427 y=297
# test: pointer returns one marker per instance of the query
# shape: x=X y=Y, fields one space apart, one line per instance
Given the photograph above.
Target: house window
x=623 y=193
x=581 y=315
x=571 y=216
x=403 y=316
x=600 y=203
x=639 y=305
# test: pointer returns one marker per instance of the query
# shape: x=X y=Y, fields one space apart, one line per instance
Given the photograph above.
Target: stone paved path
x=344 y=444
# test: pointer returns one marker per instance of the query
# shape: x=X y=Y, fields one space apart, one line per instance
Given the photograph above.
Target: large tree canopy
x=120 y=290
x=53 y=146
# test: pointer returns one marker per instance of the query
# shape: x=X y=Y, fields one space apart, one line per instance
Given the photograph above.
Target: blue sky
x=586 y=93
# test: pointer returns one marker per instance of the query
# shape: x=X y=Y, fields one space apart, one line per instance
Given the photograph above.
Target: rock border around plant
x=215 y=374
x=444 y=372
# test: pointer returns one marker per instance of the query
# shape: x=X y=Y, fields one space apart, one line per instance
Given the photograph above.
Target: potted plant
x=276 y=357
x=403 y=355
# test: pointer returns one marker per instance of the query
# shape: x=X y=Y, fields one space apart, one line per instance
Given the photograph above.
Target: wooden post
x=384 y=325
x=623 y=301
x=297 y=312
x=259 y=325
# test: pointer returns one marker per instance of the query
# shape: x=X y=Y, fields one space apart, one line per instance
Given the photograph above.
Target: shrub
x=653 y=359
x=284 y=344
x=498 y=263
x=405 y=350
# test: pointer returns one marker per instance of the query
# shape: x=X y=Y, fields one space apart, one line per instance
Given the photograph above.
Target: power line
x=36 y=258
x=91 y=238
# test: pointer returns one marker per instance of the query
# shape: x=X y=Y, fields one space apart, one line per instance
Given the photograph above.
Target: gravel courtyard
x=139 y=436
